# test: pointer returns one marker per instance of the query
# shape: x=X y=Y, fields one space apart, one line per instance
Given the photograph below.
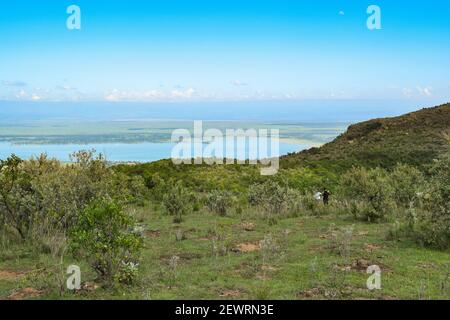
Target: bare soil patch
x=25 y=293
x=8 y=275
x=152 y=234
x=246 y=247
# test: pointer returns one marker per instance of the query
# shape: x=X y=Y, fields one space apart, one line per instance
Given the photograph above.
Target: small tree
x=219 y=202
x=17 y=205
x=103 y=235
x=406 y=182
x=177 y=202
x=270 y=196
x=370 y=192
x=430 y=223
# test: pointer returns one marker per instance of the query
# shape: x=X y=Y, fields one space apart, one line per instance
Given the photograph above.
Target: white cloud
x=66 y=88
x=188 y=93
x=14 y=83
x=116 y=95
x=22 y=94
x=35 y=97
x=149 y=95
x=426 y=91
x=238 y=83
x=407 y=92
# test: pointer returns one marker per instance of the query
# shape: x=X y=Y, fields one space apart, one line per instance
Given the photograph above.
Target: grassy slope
x=302 y=268
x=415 y=138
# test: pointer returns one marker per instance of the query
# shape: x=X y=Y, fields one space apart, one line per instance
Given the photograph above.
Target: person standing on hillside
x=325 y=196
x=318 y=196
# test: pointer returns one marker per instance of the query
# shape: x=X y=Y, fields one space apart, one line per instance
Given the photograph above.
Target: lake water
x=116 y=152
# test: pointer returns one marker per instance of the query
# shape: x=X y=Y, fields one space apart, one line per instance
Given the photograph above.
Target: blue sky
x=224 y=50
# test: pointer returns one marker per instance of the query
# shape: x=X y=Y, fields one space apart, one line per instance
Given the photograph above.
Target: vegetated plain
x=225 y=232
x=132 y=131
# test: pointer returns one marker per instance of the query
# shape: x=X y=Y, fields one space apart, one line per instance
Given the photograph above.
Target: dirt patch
x=7 y=275
x=310 y=293
x=371 y=247
x=230 y=293
x=333 y=293
x=90 y=286
x=362 y=265
x=206 y=238
x=152 y=234
x=269 y=268
x=247 y=247
x=247 y=226
x=25 y=293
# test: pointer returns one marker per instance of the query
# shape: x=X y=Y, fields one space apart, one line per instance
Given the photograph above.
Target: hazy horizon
x=268 y=111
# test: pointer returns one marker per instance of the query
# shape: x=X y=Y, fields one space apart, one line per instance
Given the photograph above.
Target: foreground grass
x=212 y=257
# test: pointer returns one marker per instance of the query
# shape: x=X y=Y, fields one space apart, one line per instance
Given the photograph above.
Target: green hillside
x=415 y=138
x=164 y=231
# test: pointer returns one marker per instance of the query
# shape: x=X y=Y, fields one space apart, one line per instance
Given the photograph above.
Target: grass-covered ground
x=212 y=257
x=273 y=240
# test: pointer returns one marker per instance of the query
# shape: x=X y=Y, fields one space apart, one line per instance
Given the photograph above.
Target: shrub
x=406 y=182
x=255 y=196
x=270 y=196
x=42 y=192
x=219 y=202
x=17 y=208
x=177 y=202
x=103 y=235
x=427 y=220
x=370 y=191
x=294 y=202
x=429 y=223
x=340 y=240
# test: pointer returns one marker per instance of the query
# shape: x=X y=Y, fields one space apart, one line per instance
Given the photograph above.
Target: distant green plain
x=72 y=132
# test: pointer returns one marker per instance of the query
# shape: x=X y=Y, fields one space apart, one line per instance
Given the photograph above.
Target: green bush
x=429 y=222
x=17 y=205
x=103 y=235
x=219 y=202
x=40 y=196
x=406 y=181
x=270 y=196
x=256 y=194
x=370 y=193
x=177 y=202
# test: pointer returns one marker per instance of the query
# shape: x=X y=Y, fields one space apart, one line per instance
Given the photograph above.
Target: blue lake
x=117 y=152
